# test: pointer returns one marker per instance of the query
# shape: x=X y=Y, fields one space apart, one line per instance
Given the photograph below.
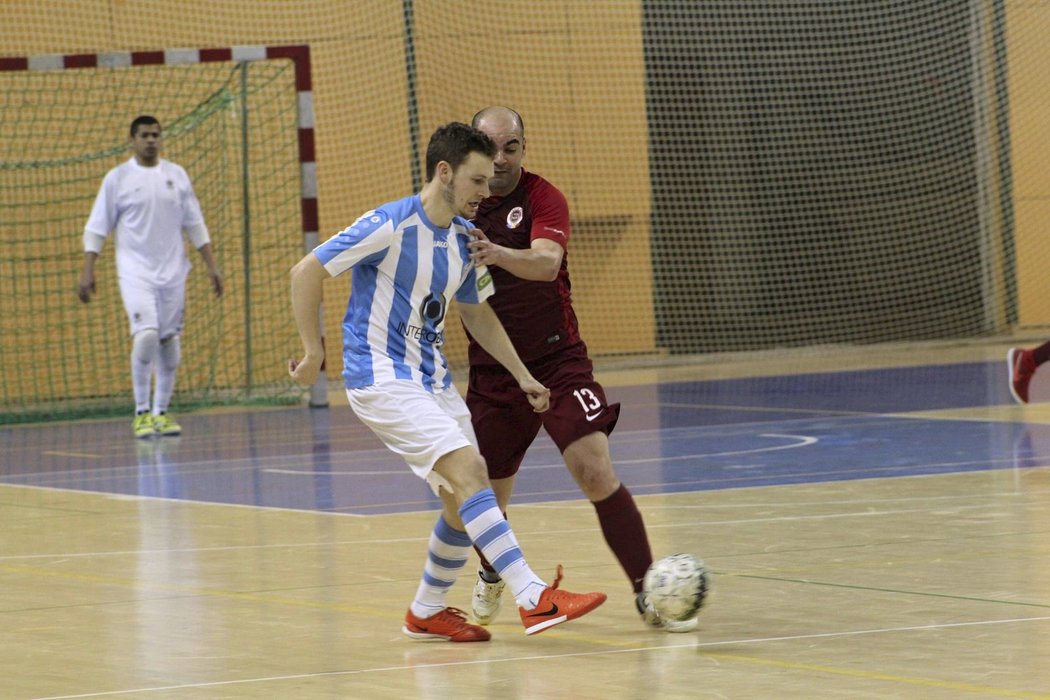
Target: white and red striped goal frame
x=299 y=55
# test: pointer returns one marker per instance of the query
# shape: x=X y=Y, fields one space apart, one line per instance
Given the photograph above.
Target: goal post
x=240 y=120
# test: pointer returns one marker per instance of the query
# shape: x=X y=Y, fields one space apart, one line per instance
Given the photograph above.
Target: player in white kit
x=146 y=203
x=410 y=258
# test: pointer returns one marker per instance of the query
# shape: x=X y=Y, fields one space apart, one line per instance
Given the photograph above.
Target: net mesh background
x=743 y=176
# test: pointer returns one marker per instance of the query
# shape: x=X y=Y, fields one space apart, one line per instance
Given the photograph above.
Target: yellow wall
x=573 y=69
x=1028 y=63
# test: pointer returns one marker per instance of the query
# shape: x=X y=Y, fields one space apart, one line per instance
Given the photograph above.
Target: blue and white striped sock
x=447 y=553
x=491 y=533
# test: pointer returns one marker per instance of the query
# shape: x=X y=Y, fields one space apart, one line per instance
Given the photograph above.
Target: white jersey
x=406 y=272
x=147 y=207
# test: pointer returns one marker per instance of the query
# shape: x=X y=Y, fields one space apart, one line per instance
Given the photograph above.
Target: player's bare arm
x=308 y=278
x=217 y=284
x=539 y=263
x=86 y=287
x=482 y=323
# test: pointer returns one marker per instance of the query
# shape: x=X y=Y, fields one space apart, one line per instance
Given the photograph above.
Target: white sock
x=447 y=554
x=143 y=355
x=492 y=534
x=168 y=357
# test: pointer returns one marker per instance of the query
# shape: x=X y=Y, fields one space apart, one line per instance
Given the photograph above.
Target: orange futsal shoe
x=557 y=606
x=448 y=625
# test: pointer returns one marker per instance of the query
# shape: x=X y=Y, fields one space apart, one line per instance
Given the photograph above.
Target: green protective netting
x=233 y=128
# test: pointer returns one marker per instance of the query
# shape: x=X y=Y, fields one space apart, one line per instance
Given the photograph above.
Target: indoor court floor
x=877 y=523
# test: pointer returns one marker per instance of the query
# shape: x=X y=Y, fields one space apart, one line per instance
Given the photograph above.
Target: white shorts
x=420 y=426
x=148 y=306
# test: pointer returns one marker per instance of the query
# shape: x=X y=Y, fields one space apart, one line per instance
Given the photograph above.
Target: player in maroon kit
x=526 y=231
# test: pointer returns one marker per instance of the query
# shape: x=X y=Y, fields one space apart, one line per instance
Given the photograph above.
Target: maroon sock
x=485 y=564
x=1041 y=354
x=486 y=567
x=624 y=532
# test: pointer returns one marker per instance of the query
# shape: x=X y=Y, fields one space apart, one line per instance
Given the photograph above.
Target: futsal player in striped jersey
x=410 y=259
x=147 y=202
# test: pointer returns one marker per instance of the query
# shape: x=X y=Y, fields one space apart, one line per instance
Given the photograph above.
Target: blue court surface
x=675 y=437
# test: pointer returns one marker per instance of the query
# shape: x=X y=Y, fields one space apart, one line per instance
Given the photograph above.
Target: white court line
x=425 y=535
x=800 y=441
x=579 y=654
x=983 y=496
x=135 y=497
x=341 y=472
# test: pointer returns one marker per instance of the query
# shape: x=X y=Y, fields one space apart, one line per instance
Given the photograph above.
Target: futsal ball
x=676 y=586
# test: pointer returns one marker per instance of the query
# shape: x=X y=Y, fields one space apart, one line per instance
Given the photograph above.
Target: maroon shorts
x=504 y=420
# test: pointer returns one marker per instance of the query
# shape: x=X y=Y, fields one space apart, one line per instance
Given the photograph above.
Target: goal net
x=755 y=176
x=838 y=174
x=232 y=124
x=743 y=176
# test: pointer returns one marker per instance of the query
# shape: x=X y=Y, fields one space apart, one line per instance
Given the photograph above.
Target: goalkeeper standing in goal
x=526 y=232
x=147 y=202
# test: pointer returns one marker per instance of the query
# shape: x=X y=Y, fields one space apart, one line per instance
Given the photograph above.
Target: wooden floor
x=925 y=576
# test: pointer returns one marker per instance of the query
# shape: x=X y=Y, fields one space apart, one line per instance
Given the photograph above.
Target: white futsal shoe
x=486 y=601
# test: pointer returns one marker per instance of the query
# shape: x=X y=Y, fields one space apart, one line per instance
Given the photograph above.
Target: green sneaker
x=142 y=426
x=166 y=425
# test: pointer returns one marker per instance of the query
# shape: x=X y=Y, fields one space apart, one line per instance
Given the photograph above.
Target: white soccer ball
x=676 y=586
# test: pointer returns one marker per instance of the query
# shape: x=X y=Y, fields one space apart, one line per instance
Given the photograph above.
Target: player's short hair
x=142 y=120
x=482 y=113
x=453 y=143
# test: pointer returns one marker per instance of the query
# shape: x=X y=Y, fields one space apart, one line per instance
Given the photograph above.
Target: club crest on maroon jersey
x=514 y=217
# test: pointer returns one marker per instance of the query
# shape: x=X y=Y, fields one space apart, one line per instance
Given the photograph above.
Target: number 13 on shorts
x=590 y=403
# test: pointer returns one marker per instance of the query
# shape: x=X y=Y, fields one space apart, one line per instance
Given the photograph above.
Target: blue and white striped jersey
x=406 y=271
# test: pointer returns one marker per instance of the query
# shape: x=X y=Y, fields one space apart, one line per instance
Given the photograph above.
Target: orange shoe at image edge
x=556 y=606
x=448 y=625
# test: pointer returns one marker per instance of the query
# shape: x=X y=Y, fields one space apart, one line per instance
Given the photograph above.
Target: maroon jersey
x=538 y=316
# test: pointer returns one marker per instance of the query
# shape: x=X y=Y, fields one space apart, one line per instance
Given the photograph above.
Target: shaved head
x=499 y=120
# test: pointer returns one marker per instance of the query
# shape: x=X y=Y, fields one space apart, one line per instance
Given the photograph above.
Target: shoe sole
x=1010 y=363
x=429 y=637
x=547 y=624
x=424 y=636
